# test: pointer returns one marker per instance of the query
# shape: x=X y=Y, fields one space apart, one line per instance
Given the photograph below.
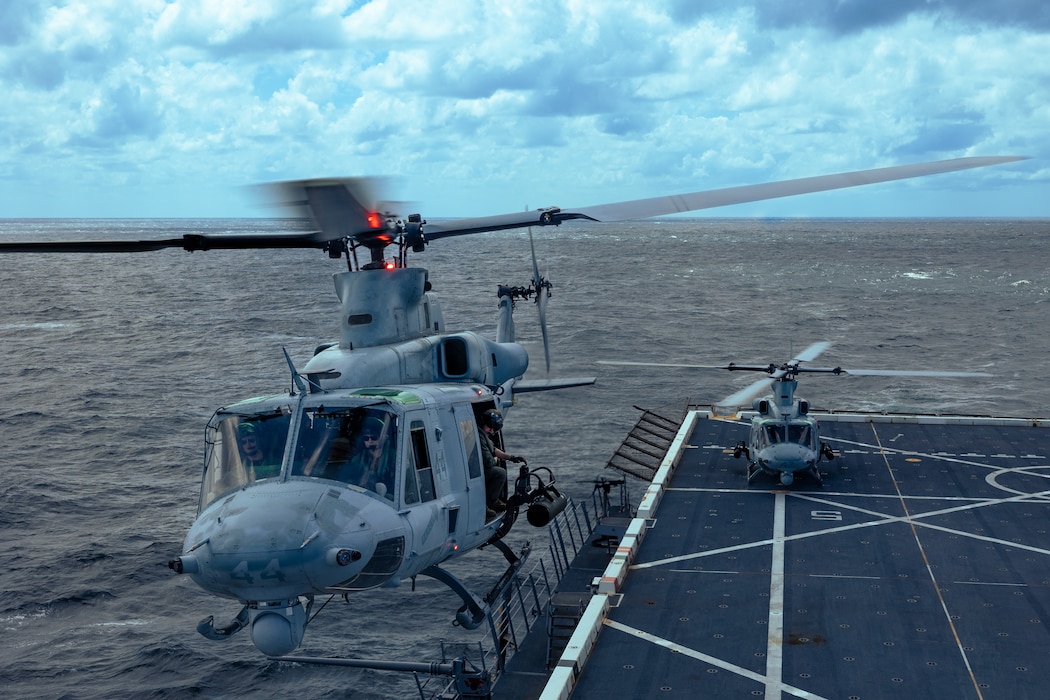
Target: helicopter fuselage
x=370 y=474
x=784 y=439
x=783 y=447
x=336 y=492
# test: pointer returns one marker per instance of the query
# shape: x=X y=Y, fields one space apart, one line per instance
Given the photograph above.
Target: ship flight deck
x=921 y=568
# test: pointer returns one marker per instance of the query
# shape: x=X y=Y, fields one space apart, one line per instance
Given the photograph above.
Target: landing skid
x=475 y=611
x=754 y=470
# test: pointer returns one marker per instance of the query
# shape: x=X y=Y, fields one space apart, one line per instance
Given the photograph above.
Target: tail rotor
x=542 y=288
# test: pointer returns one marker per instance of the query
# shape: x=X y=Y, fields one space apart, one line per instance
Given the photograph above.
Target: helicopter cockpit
x=243 y=447
x=354 y=445
x=776 y=432
x=355 y=441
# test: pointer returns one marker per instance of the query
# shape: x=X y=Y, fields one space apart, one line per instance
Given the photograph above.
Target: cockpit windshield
x=774 y=433
x=242 y=448
x=353 y=445
x=800 y=434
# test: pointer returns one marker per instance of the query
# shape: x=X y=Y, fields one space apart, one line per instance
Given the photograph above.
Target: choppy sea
x=113 y=363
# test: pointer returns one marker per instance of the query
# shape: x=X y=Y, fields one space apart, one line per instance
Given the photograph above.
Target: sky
x=171 y=108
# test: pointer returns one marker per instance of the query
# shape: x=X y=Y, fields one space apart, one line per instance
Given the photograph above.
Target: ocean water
x=112 y=365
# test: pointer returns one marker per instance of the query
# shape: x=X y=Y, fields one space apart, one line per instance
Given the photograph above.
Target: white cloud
x=481 y=105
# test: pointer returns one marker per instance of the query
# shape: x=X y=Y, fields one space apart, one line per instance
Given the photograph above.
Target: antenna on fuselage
x=297 y=379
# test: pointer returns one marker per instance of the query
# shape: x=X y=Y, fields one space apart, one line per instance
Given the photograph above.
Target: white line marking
x=775 y=638
x=714 y=661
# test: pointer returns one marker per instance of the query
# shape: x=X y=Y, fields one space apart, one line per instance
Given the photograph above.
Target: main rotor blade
x=693 y=201
x=345 y=207
x=190 y=242
x=499 y=222
x=706 y=199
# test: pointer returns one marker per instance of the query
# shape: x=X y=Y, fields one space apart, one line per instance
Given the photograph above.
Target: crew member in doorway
x=495 y=475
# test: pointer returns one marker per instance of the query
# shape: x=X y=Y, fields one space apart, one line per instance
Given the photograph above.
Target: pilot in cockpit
x=371 y=465
x=257 y=462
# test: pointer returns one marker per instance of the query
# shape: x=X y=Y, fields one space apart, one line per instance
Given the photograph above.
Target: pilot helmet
x=372 y=424
x=493 y=419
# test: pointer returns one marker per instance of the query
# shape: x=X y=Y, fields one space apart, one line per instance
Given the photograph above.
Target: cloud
x=575 y=101
x=17 y=18
x=230 y=28
x=847 y=17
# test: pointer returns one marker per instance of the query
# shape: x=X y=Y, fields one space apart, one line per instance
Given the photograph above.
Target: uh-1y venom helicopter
x=785 y=439
x=286 y=511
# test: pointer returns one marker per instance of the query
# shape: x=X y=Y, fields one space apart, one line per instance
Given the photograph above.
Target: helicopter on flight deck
x=784 y=439
x=369 y=470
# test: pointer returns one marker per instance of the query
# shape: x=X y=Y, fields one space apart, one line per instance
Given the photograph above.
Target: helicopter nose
x=790 y=458
x=273 y=544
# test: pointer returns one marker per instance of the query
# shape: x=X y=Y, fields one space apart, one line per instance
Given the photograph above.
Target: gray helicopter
x=784 y=440
x=370 y=470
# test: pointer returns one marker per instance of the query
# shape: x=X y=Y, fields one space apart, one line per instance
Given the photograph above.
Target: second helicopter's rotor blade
x=812 y=352
x=746 y=395
x=906 y=373
x=627 y=363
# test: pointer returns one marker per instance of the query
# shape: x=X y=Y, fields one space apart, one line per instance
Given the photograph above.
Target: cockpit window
x=419 y=474
x=241 y=448
x=354 y=445
x=774 y=433
x=800 y=434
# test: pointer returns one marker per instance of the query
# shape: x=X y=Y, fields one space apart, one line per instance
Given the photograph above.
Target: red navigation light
x=390 y=264
x=375 y=220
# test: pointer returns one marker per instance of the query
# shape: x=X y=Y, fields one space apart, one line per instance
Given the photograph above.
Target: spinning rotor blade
x=811 y=353
x=348 y=208
x=745 y=396
x=341 y=207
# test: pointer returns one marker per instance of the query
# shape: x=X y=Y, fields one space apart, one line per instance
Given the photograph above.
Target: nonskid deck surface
x=921 y=568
